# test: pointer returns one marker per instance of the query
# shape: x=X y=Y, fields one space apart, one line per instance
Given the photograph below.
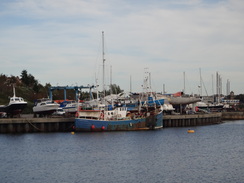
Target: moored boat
x=118 y=119
x=109 y=117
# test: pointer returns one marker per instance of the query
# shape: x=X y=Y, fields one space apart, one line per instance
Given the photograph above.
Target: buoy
x=72 y=133
x=92 y=127
x=103 y=128
x=190 y=131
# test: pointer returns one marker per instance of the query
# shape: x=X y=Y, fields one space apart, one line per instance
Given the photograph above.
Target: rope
x=35 y=127
x=65 y=129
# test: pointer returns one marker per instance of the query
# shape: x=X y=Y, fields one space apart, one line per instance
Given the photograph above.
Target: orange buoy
x=190 y=131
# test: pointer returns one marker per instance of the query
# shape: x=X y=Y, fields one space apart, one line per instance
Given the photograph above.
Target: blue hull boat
x=153 y=121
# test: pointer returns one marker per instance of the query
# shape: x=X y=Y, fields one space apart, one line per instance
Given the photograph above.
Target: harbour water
x=214 y=153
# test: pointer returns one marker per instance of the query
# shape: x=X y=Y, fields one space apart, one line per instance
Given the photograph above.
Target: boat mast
x=103 y=63
x=96 y=86
x=111 y=91
x=184 y=78
x=200 y=82
x=130 y=85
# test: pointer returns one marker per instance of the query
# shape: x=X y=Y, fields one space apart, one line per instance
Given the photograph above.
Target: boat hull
x=147 y=123
x=13 y=109
x=71 y=110
x=210 y=108
x=48 y=109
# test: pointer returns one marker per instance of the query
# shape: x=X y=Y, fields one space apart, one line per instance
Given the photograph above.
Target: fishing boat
x=117 y=117
x=15 y=106
x=44 y=107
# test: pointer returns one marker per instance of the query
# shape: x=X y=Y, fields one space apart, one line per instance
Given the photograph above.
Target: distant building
x=231 y=101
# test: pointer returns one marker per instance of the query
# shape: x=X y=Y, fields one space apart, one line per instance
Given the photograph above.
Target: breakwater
x=30 y=124
x=192 y=120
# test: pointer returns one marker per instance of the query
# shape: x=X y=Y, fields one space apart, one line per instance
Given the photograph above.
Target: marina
x=122 y=91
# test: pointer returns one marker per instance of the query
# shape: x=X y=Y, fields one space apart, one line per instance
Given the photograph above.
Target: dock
x=232 y=115
x=28 y=124
x=191 y=120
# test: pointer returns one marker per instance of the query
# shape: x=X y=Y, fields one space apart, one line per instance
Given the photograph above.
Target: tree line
x=29 y=88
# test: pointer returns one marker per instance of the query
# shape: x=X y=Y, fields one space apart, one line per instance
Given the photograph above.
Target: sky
x=178 y=41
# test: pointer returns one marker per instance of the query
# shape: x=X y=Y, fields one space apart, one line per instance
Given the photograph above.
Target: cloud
x=60 y=41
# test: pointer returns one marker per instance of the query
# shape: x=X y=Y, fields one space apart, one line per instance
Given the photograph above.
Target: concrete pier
x=28 y=125
x=191 y=120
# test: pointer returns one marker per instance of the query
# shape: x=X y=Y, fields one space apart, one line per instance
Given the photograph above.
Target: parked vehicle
x=59 y=112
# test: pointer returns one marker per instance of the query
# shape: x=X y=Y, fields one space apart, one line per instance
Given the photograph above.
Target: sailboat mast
x=111 y=91
x=103 y=63
x=130 y=85
x=184 y=78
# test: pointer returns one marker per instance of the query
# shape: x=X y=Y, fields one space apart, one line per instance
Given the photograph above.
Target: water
x=212 y=154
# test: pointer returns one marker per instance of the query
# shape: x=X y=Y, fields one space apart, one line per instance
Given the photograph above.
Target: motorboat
x=45 y=107
x=70 y=107
x=15 y=106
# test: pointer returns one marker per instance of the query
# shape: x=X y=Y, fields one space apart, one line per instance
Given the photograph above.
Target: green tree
x=115 y=89
x=25 y=78
x=240 y=97
x=30 y=81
